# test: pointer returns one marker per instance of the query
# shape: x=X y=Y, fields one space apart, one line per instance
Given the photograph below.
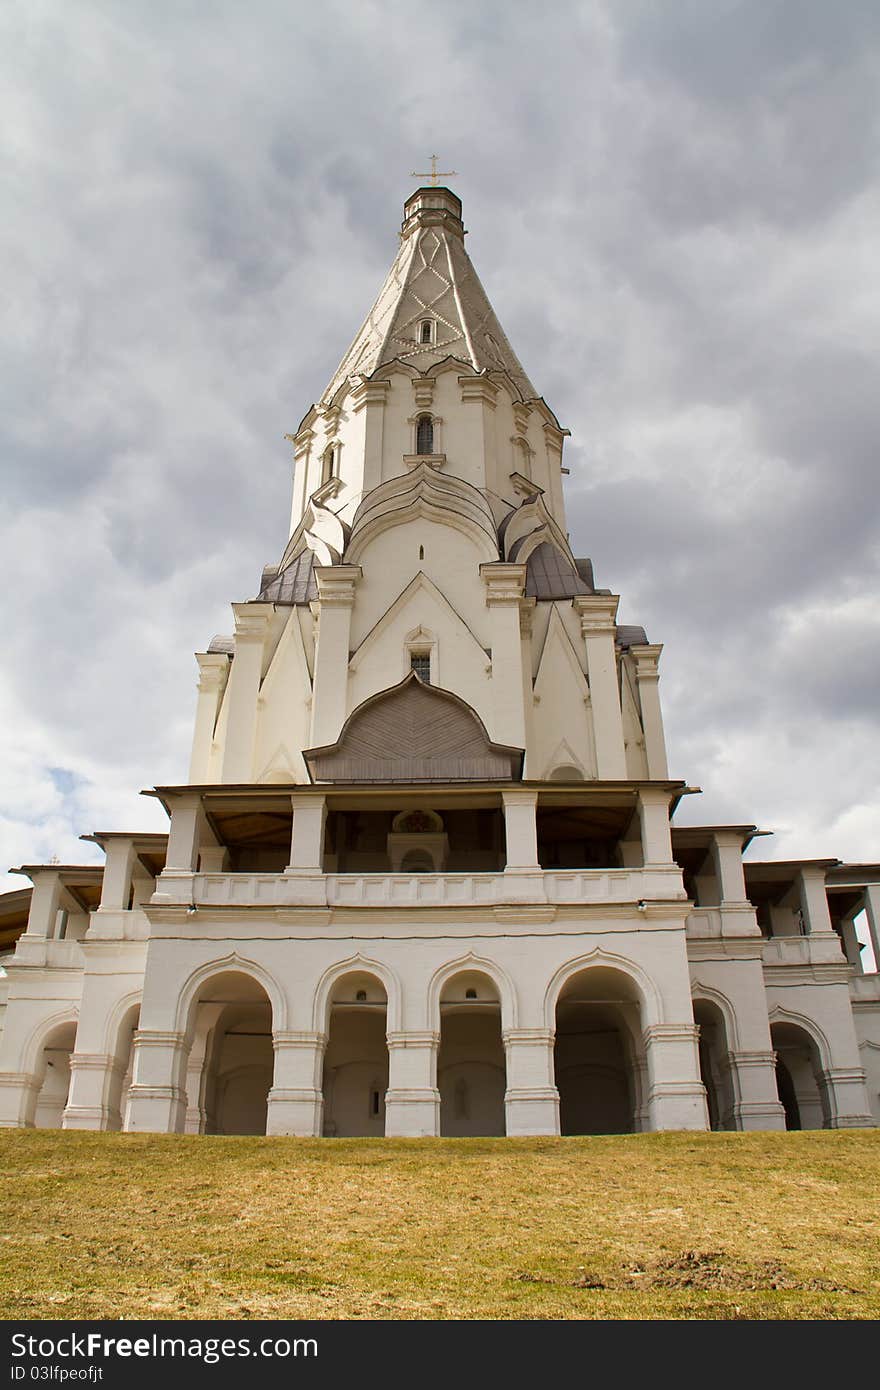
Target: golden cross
x=435 y=175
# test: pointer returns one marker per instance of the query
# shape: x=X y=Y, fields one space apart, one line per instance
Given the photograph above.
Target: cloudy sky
x=674 y=208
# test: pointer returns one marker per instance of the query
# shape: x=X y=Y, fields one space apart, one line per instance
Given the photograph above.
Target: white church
x=425 y=876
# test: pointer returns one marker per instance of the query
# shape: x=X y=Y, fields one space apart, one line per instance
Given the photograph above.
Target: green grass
x=639 y=1226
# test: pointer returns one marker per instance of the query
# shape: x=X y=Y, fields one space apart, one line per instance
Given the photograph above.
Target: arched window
x=330 y=463
x=425 y=435
x=426 y=331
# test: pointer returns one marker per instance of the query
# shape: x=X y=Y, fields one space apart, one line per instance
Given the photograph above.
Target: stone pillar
x=483 y=394
x=119 y=861
x=814 y=901
x=847 y=1097
x=157 y=1098
x=677 y=1096
x=92 y=1077
x=738 y=917
x=598 y=613
x=296 y=1101
x=526 y=618
x=197 y=1117
x=45 y=903
x=18 y=1099
x=756 y=1104
x=243 y=689
x=370 y=397
x=174 y=884
x=302 y=452
x=213 y=669
x=307 y=841
x=412 y=1101
x=520 y=830
x=504 y=591
x=648 y=683
x=531 y=1101
x=872 y=912
x=336 y=591
x=654 y=821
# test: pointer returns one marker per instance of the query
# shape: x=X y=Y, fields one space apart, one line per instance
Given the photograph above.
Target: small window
x=425 y=435
x=420 y=662
x=361 y=996
x=426 y=333
x=470 y=994
x=330 y=464
x=374 y=1102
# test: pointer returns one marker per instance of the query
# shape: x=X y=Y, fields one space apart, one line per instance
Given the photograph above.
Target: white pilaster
x=677 y=1097
x=296 y=1101
x=252 y=622
x=336 y=590
x=504 y=591
x=520 y=829
x=598 y=613
x=157 y=1098
x=412 y=1101
x=648 y=682
x=531 y=1101
x=213 y=671
x=654 y=820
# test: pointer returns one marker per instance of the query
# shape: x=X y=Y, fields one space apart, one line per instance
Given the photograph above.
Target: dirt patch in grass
x=671 y=1225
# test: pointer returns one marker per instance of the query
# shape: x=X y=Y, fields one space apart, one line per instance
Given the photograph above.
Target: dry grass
x=641 y=1226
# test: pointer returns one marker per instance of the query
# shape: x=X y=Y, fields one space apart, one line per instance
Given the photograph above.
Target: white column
x=598 y=613
x=307 y=840
x=521 y=829
x=296 y=1101
x=336 y=591
x=648 y=682
x=814 y=901
x=174 y=884
x=45 y=902
x=157 y=1098
x=872 y=912
x=302 y=452
x=412 y=1101
x=504 y=591
x=213 y=670
x=738 y=917
x=92 y=1075
x=677 y=1096
x=119 y=861
x=526 y=618
x=243 y=689
x=370 y=396
x=756 y=1102
x=654 y=820
x=531 y=1101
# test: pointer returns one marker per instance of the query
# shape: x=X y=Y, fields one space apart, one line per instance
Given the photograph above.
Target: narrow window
x=374 y=1102
x=420 y=662
x=361 y=996
x=425 y=435
x=421 y=552
x=426 y=331
x=330 y=464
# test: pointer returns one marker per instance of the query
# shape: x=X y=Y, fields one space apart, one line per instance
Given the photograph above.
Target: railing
x=553 y=886
x=819 y=948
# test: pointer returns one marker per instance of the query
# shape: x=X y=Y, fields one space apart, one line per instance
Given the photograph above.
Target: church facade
x=424 y=877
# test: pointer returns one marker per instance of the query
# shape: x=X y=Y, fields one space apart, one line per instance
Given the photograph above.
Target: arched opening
x=426 y=331
x=598 y=1018
x=53 y=1073
x=471 y=1071
x=356 y=1060
x=799 y=1078
x=425 y=435
x=232 y=1052
x=120 y=1079
x=714 y=1070
x=566 y=772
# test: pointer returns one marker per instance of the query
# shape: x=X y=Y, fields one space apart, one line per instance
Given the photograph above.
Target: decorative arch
x=232 y=962
x=649 y=996
x=707 y=994
x=354 y=964
x=808 y=1025
x=41 y=1031
x=470 y=961
x=414 y=733
x=423 y=493
x=116 y=1018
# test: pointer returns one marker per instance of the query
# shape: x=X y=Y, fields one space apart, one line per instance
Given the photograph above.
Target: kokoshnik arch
x=423 y=877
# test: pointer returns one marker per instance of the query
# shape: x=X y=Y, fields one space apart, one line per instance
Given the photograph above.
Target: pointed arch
x=221 y=965
x=649 y=996
x=807 y=1025
x=470 y=961
x=357 y=963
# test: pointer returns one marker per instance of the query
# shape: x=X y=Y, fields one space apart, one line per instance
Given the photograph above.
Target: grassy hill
x=658 y=1225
